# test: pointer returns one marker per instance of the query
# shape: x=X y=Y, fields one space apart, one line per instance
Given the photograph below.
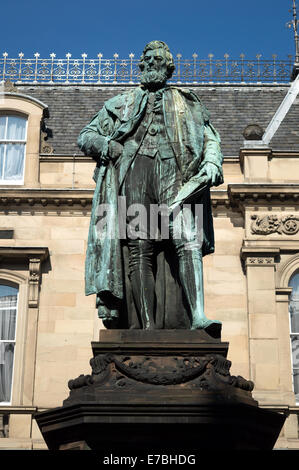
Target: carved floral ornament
x=267 y=224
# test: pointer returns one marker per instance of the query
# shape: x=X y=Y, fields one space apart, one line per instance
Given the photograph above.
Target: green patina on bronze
x=159 y=130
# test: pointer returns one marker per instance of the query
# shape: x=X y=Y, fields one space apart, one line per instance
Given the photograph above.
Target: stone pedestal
x=159 y=390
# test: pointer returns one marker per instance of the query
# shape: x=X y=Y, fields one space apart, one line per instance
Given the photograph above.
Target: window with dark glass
x=8 y=316
x=294 y=326
x=13 y=130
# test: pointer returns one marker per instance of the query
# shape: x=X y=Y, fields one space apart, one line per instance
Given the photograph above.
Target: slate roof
x=231 y=108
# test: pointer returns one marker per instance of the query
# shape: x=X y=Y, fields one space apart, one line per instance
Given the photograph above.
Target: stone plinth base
x=159 y=390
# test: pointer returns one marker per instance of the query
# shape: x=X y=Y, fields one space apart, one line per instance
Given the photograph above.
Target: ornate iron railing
x=116 y=70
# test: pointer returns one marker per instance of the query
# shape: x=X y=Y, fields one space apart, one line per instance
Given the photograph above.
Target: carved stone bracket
x=262 y=194
x=35 y=263
x=35 y=257
x=267 y=224
x=34 y=281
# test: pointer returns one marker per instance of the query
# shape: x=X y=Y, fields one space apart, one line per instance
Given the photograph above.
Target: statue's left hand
x=213 y=174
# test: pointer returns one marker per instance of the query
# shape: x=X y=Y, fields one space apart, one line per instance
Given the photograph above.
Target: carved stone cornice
x=286 y=245
x=15 y=199
x=285 y=153
x=252 y=150
x=219 y=198
x=42 y=199
x=242 y=194
x=269 y=152
x=64 y=158
x=237 y=196
x=23 y=252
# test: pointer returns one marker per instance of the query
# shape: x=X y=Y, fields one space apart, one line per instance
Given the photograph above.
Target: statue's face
x=154 y=68
x=155 y=60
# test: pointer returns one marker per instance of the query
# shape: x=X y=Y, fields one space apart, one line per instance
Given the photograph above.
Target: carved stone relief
x=267 y=224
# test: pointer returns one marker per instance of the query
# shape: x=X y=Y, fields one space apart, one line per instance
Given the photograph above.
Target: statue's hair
x=159 y=45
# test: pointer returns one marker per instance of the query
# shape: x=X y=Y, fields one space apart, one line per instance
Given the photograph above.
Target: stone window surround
x=27 y=316
x=287 y=270
x=11 y=340
x=35 y=111
x=255 y=255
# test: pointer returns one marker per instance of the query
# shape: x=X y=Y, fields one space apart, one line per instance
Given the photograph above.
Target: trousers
x=148 y=182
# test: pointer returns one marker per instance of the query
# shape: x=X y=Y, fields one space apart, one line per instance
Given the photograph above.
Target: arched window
x=8 y=316
x=13 y=130
x=294 y=326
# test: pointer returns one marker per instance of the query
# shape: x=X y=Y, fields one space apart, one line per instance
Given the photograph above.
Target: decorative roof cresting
x=118 y=70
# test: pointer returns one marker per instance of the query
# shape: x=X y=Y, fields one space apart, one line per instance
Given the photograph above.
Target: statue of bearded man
x=154 y=145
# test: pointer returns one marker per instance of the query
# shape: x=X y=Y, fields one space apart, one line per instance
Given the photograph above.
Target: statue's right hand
x=115 y=149
x=95 y=148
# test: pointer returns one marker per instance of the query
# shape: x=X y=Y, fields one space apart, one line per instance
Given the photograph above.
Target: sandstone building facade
x=251 y=282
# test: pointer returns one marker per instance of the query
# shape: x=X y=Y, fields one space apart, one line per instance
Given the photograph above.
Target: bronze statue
x=153 y=144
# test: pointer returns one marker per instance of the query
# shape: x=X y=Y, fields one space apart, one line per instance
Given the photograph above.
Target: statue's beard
x=153 y=78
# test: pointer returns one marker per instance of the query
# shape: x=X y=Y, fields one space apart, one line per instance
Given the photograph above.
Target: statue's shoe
x=111 y=323
x=212 y=327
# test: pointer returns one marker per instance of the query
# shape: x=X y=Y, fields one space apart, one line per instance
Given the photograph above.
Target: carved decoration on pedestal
x=111 y=371
x=265 y=225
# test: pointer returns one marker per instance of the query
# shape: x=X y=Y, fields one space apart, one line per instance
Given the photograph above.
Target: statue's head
x=156 y=64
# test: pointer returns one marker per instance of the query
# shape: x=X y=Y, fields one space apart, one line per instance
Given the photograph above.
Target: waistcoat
x=154 y=130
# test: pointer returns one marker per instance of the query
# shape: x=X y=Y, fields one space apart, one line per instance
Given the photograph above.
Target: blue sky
x=187 y=26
